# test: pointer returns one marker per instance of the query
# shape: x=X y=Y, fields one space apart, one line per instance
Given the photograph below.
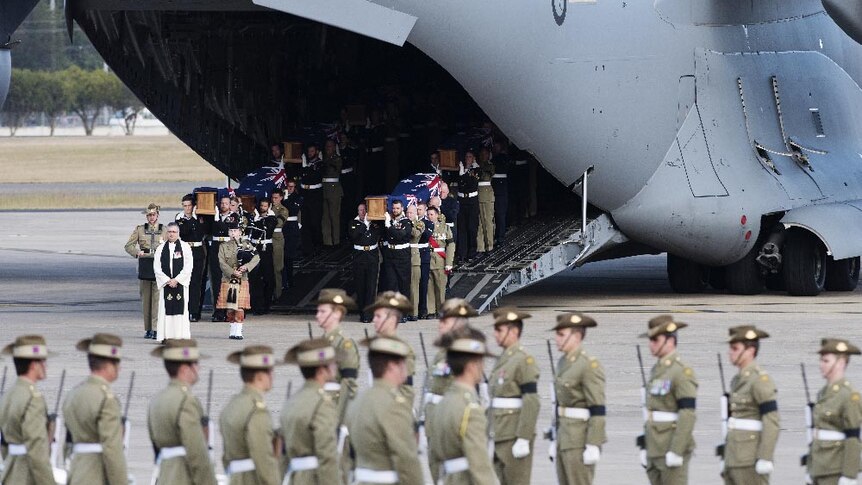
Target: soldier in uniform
x=396 y=250
x=468 y=212
x=753 y=413
x=454 y=315
x=263 y=276
x=416 y=235
x=292 y=234
x=449 y=209
x=349 y=162
x=312 y=194
x=332 y=195
x=24 y=416
x=500 y=183
x=309 y=418
x=365 y=236
x=141 y=245
x=485 y=242
x=193 y=232
x=514 y=400
x=281 y=215
x=458 y=443
x=421 y=273
x=671 y=394
x=388 y=310
x=381 y=419
x=92 y=416
x=443 y=247
x=579 y=388
x=218 y=237
x=236 y=257
x=833 y=456
x=245 y=423
x=176 y=420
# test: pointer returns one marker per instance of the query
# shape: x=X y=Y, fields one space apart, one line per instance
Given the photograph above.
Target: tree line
x=71 y=90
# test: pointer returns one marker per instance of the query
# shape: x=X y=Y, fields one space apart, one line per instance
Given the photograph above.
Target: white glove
x=846 y=481
x=592 y=455
x=763 y=467
x=721 y=467
x=423 y=440
x=672 y=460
x=552 y=450
x=304 y=161
x=387 y=220
x=484 y=396
x=521 y=448
x=808 y=480
x=643 y=457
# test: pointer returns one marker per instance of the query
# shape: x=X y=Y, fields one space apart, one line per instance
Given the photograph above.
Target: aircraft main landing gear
x=804 y=264
x=686 y=276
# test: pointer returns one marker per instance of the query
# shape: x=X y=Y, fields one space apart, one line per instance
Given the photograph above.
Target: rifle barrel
x=721 y=374
x=641 y=363
x=209 y=391
x=129 y=395
x=805 y=384
x=60 y=392
x=424 y=353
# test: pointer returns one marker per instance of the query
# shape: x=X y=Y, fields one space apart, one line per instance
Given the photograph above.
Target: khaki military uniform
x=458 y=443
x=513 y=412
x=580 y=390
x=147 y=238
x=174 y=423
x=443 y=257
x=439 y=382
x=281 y=215
x=415 y=264
x=309 y=421
x=332 y=194
x=381 y=433
x=485 y=240
x=672 y=391
x=838 y=411
x=23 y=421
x=752 y=401
x=92 y=416
x=344 y=389
x=246 y=430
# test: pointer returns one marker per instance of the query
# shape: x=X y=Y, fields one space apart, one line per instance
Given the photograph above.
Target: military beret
x=837 y=346
x=253 y=357
x=32 y=347
x=458 y=308
x=662 y=325
x=745 y=333
x=311 y=353
x=335 y=296
x=387 y=345
x=102 y=345
x=509 y=314
x=179 y=350
x=572 y=320
x=393 y=300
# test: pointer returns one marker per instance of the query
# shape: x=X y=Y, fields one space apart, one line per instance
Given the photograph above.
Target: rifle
x=640 y=442
x=310 y=335
x=3 y=381
x=127 y=425
x=205 y=420
x=53 y=428
x=426 y=384
x=724 y=406
x=809 y=415
x=551 y=432
x=370 y=375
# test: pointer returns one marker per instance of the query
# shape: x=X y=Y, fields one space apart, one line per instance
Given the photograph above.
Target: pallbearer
x=834 y=454
x=23 y=416
x=193 y=231
x=310 y=418
x=92 y=416
x=245 y=423
x=579 y=387
x=514 y=399
x=671 y=394
x=753 y=424
x=175 y=418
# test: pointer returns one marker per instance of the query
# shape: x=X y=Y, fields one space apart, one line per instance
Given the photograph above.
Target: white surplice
x=174 y=326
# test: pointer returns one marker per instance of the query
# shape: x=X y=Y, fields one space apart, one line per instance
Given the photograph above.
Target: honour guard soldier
x=388 y=310
x=332 y=305
x=454 y=315
x=192 y=232
x=579 y=388
x=349 y=161
x=332 y=194
x=312 y=193
x=281 y=215
x=141 y=245
x=309 y=419
x=396 y=250
x=175 y=419
x=514 y=400
x=218 y=237
x=236 y=257
x=263 y=276
x=365 y=236
x=671 y=394
x=381 y=419
x=245 y=423
x=449 y=208
x=468 y=212
x=92 y=416
x=24 y=416
x=420 y=261
x=485 y=242
x=753 y=413
x=833 y=457
x=458 y=442
x=292 y=237
x=442 y=258
x=500 y=183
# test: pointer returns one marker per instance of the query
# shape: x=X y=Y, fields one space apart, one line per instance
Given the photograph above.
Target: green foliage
x=22 y=99
x=89 y=91
x=53 y=96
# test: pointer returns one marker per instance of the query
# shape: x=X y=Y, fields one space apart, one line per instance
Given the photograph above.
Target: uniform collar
x=751 y=368
x=246 y=389
x=332 y=333
x=464 y=388
x=94 y=379
x=178 y=383
x=573 y=355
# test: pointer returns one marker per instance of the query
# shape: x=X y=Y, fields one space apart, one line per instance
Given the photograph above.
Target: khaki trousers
x=511 y=470
x=485 y=241
x=331 y=222
x=415 y=273
x=436 y=289
x=827 y=480
x=571 y=469
x=277 y=261
x=150 y=304
x=659 y=474
x=744 y=475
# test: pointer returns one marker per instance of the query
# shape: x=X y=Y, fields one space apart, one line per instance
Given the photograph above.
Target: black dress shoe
x=412 y=318
x=238 y=337
x=194 y=317
x=218 y=318
x=155 y=336
x=403 y=319
x=148 y=334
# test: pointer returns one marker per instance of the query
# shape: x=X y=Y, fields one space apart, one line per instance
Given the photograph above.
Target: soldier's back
x=23 y=424
x=459 y=442
x=308 y=425
x=243 y=419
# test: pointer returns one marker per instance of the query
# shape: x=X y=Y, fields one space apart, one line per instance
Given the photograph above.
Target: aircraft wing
x=838 y=225
x=358 y=16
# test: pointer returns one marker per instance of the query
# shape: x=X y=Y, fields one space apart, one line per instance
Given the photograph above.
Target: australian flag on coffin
x=262 y=182
x=420 y=186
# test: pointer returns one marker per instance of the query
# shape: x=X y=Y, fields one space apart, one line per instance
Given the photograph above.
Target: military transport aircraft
x=725 y=133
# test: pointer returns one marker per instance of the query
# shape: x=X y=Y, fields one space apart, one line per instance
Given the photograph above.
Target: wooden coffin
x=377 y=207
x=206 y=203
x=448 y=159
x=292 y=152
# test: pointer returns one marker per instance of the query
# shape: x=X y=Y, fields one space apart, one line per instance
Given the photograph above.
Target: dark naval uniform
x=292 y=236
x=420 y=266
x=500 y=184
x=193 y=232
x=349 y=161
x=312 y=208
x=449 y=209
x=468 y=214
x=366 y=261
x=396 y=255
x=262 y=277
x=332 y=195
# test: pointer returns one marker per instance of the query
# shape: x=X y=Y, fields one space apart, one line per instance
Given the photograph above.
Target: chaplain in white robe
x=172 y=263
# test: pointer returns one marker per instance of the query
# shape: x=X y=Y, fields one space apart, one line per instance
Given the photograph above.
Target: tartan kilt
x=243 y=299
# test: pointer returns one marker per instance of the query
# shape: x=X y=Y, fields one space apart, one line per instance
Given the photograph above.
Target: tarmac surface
x=65 y=275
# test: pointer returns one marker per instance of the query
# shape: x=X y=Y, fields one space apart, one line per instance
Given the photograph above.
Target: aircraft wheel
x=744 y=277
x=775 y=282
x=804 y=266
x=686 y=276
x=718 y=277
x=842 y=275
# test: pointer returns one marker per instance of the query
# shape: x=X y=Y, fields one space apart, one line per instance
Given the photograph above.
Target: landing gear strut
x=686 y=276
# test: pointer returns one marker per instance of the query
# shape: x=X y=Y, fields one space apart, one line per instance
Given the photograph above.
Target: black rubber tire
x=842 y=275
x=744 y=277
x=803 y=264
x=775 y=282
x=686 y=276
x=718 y=278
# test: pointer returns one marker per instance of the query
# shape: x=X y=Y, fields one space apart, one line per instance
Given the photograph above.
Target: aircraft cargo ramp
x=533 y=251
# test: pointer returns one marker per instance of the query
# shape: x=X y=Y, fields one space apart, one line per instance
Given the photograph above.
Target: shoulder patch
x=594 y=364
x=347 y=344
x=688 y=371
x=530 y=360
x=855 y=396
